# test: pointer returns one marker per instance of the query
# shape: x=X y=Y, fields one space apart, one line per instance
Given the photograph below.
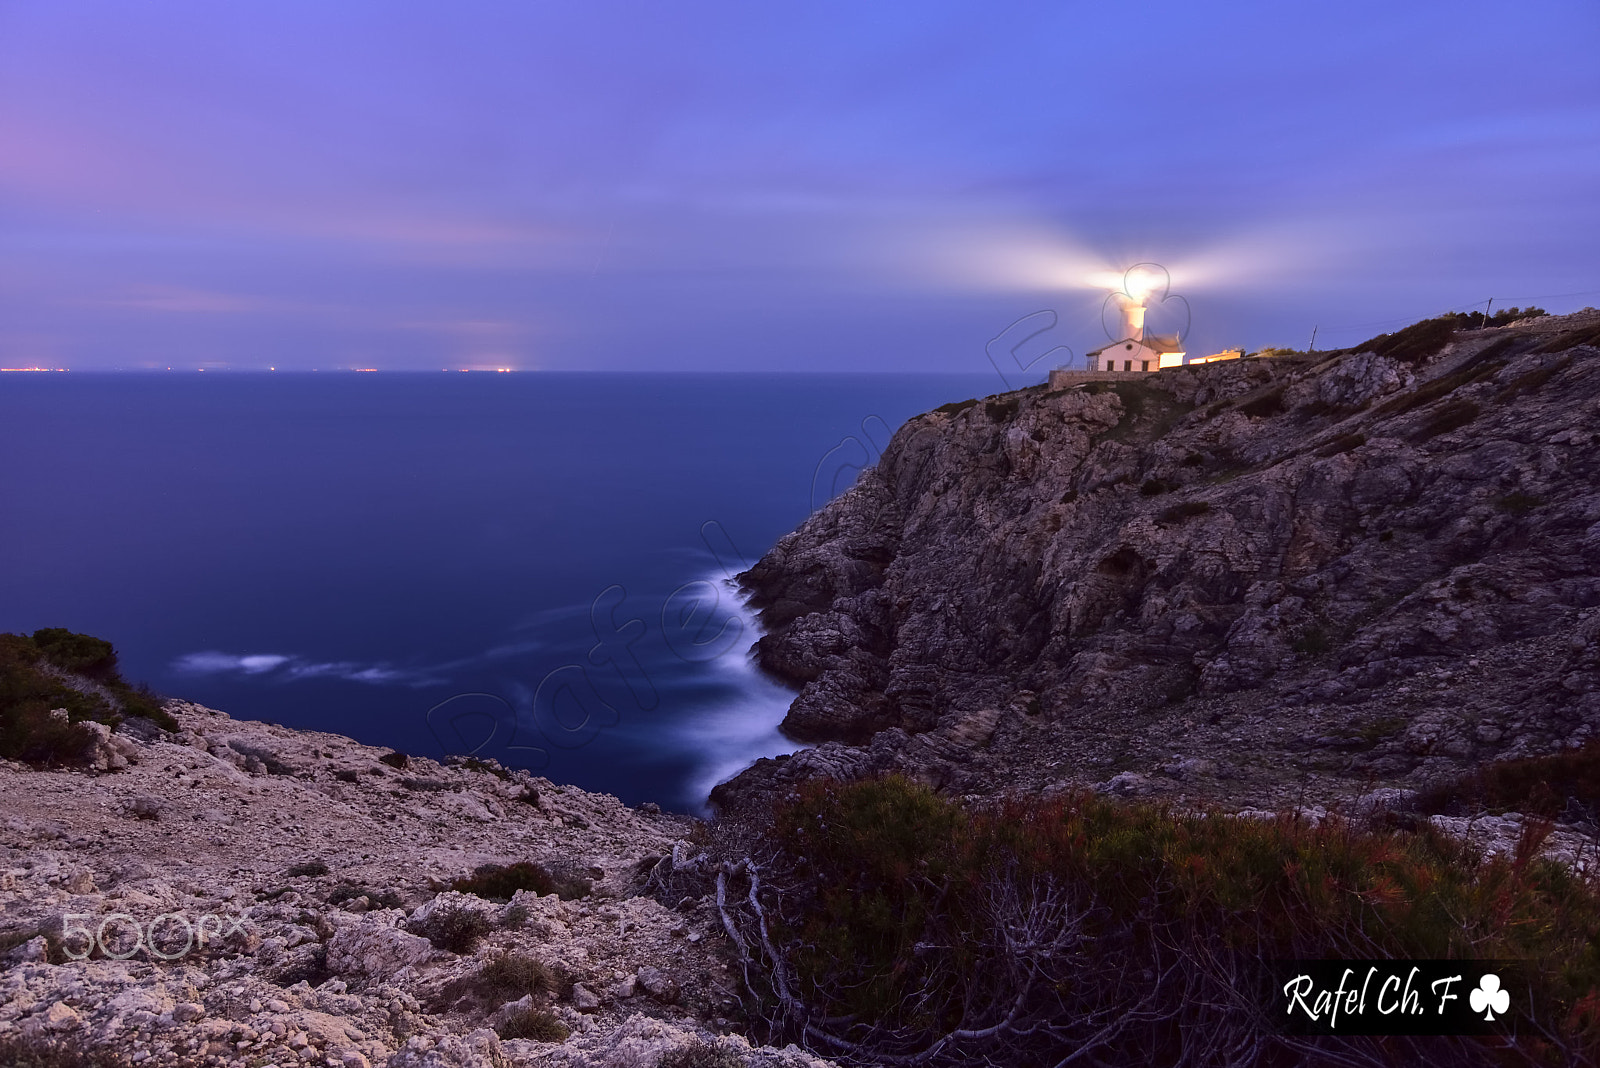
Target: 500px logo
x=119 y=935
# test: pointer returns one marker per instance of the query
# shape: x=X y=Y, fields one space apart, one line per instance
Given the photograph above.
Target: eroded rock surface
x=306 y=875
x=1260 y=581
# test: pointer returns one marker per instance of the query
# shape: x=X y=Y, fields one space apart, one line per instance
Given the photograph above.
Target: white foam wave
x=729 y=736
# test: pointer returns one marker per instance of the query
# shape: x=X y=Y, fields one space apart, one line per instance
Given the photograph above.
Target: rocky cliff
x=236 y=893
x=1261 y=581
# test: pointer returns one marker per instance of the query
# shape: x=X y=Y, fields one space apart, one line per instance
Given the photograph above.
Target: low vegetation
x=1413 y=344
x=454 y=930
x=891 y=925
x=54 y=680
x=500 y=882
x=1504 y=317
x=1560 y=786
x=541 y=1025
x=511 y=976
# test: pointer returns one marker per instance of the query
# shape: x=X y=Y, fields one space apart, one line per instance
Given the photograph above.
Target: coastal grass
x=902 y=907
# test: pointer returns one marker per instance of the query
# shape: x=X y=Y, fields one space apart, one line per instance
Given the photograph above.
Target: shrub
x=474 y=764
x=1546 y=786
x=78 y=653
x=1413 y=344
x=510 y=976
x=31 y=688
x=1000 y=410
x=455 y=930
x=500 y=882
x=1314 y=642
x=955 y=407
x=1477 y=320
x=540 y=1025
x=398 y=761
x=1154 y=487
x=311 y=868
x=380 y=899
x=516 y=916
x=908 y=921
x=346 y=775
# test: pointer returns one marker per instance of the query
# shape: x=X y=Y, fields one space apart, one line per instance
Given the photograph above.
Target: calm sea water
x=529 y=566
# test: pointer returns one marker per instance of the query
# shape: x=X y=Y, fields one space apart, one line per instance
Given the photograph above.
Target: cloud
x=212 y=663
x=289 y=668
x=281 y=668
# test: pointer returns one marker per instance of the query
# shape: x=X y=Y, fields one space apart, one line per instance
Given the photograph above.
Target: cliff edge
x=1256 y=582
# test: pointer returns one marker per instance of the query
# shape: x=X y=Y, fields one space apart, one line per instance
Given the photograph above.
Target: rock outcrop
x=1257 y=581
x=246 y=895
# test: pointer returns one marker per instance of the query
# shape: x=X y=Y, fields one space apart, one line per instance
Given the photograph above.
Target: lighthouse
x=1135 y=350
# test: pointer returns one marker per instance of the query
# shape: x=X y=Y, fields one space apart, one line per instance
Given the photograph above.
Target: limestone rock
x=1211 y=563
x=374 y=949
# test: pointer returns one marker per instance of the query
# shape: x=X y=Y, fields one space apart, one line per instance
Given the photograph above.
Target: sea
x=535 y=567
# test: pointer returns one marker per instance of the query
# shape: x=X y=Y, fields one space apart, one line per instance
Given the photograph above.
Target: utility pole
x=1486 y=308
x=1313 y=346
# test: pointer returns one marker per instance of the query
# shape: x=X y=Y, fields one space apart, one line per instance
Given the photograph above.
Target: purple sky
x=742 y=186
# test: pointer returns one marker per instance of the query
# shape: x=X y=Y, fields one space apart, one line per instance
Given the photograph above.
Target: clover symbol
x=1489 y=998
x=1148 y=285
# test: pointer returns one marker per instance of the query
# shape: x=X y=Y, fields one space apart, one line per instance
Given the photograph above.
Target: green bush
x=78 y=653
x=1155 y=487
x=1477 y=320
x=905 y=917
x=32 y=686
x=510 y=976
x=955 y=407
x=540 y=1025
x=310 y=868
x=1547 y=786
x=398 y=761
x=455 y=930
x=500 y=882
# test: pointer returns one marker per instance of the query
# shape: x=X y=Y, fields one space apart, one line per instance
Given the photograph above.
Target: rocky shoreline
x=309 y=865
x=1313 y=582
x=1263 y=583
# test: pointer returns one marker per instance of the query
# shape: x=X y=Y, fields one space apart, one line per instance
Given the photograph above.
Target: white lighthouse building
x=1135 y=351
